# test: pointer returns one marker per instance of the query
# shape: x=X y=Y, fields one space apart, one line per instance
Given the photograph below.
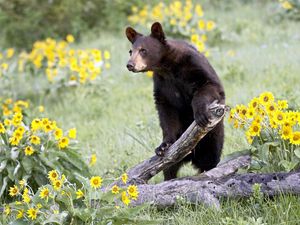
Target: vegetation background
x=256 y=49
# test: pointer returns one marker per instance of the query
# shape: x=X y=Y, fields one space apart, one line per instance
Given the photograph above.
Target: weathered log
x=209 y=187
x=142 y=172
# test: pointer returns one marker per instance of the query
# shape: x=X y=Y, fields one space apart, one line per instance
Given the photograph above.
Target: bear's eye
x=143 y=51
x=130 y=52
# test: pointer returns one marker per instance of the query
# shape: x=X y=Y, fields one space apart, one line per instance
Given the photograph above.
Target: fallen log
x=209 y=187
x=142 y=172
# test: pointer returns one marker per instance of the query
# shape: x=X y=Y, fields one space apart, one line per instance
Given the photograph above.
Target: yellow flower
x=35 y=140
x=7 y=210
x=279 y=117
x=132 y=190
x=72 y=133
x=14 y=141
x=96 y=182
x=125 y=198
x=286 y=132
x=57 y=184
x=149 y=73
x=271 y=108
x=21 y=130
x=44 y=193
x=106 y=54
x=25 y=196
x=2 y=128
x=58 y=133
x=41 y=109
x=13 y=191
x=295 y=138
x=70 y=38
x=286 y=5
x=22 y=182
x=201 y=24
x=266 y=97
x=36 y=124
x=254 y=129
x=63 y=142
x=250 y=113
x=124 y=178
x=52 y=175
x=7 y=122
x=282 y=104
x=93 y=160
x=79 y=194
x=20 y=214
x=210 y=25
x=10 y=52
x=32 y=213
x=29 y=150
x=115 y=189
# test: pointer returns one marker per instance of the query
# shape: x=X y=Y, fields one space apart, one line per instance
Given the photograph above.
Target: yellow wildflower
x=63 y=142
x=32 y=213
x=210 y=25
x=286 y=5
x=124 y=178
x=266 y=98
x=35 y=140
x=132 y=190
x=254 y=129
x=52 y=175
x=125 y=198
x=96 y=182
x=79 y=194
x=295 y=138
x=20 y=214
x=93 y=160
x=7 y=210
x=115 y=189
x=72 y=133
x=70 y=38
x=29 y=150
x=2 y=129
x=13 y=191
x=57 y=184
x=44 y=193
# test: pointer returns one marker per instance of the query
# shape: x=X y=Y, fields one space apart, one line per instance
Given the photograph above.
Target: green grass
x=117 y=119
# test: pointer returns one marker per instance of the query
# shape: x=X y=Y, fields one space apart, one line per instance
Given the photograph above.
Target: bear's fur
x=184 y=85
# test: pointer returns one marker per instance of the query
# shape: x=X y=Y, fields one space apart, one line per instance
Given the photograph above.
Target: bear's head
x=147 y=51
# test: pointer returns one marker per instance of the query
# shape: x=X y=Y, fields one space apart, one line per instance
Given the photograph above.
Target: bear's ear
x=157 y=32
x=131 y=34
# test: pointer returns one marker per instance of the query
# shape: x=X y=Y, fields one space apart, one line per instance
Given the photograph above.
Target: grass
x=117 y=119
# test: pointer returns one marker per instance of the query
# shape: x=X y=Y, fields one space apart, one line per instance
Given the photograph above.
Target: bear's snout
x=130 y=66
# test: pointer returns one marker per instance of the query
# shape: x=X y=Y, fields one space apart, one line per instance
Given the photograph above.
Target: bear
x=184 y=85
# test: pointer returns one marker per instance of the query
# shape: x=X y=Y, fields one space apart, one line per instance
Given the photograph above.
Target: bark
x=209 y=187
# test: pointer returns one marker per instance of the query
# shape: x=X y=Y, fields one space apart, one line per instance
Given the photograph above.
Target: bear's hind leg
x=208 y=151
x=171 y=172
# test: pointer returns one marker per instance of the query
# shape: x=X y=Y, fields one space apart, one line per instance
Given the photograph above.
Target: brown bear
x=184 y=85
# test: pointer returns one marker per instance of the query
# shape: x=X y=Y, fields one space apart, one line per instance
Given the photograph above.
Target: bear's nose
x=130 y=66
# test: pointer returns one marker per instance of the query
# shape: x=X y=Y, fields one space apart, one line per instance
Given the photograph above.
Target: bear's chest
x=176 y=92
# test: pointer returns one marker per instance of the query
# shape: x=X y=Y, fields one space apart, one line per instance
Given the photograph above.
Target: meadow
x=116 y=117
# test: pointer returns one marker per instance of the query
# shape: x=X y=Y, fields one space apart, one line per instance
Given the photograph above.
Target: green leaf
x=4 y=184
x=56 y=218
x=297 y=152
x=27 y=164
x=18 y=222
x=3 y=165
x=288 y=166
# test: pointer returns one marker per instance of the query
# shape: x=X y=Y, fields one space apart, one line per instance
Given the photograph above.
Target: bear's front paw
x=160 y=150
x=202 y=119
